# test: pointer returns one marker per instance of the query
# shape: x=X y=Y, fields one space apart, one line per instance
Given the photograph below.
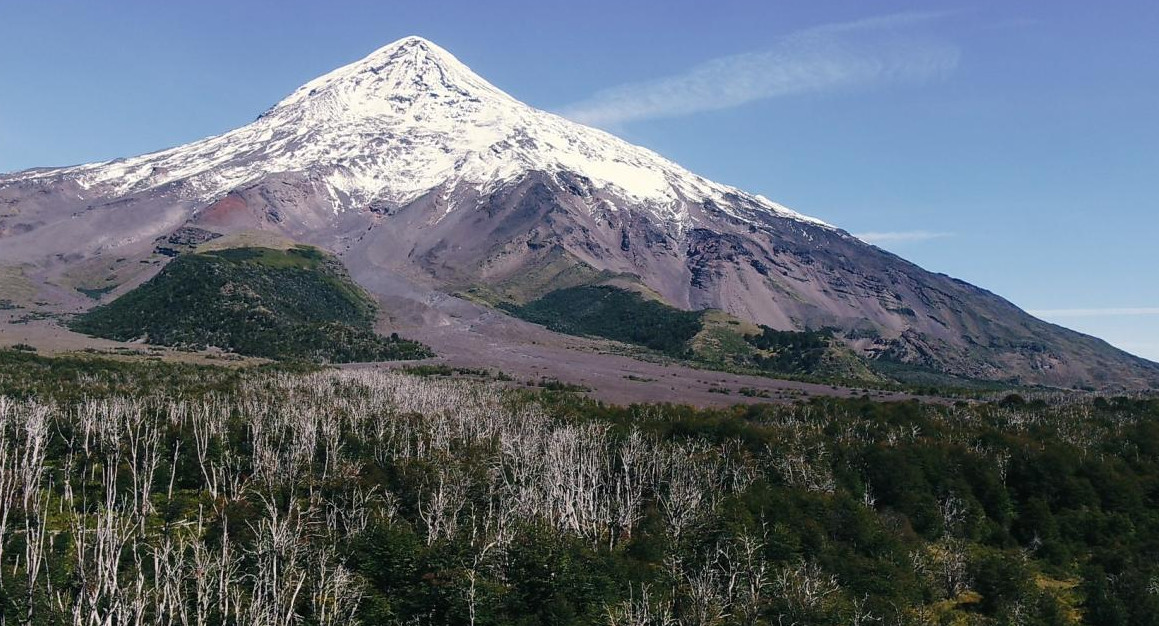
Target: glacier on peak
x=404 y=120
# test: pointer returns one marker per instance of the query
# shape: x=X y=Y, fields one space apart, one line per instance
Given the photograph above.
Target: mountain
x=425 y=179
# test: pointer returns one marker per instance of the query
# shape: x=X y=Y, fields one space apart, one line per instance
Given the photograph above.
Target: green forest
x=157 y=493
x=279 y=304
x=614 y=313
x=626 y=316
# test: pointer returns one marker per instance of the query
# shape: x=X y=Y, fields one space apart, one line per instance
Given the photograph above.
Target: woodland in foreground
x=150 y=493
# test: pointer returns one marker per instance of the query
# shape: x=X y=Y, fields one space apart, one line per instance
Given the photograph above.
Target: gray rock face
x=427 y=180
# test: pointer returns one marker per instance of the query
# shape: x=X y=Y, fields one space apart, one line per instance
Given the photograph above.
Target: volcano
x=442 y=193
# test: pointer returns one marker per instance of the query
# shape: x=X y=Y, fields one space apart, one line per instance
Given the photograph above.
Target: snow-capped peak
x=406 y=119
x=411 y=73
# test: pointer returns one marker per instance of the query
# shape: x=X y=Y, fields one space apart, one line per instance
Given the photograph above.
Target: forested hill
x=297 y=303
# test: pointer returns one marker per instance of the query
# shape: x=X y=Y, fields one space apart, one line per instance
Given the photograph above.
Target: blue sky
x=1013 y=145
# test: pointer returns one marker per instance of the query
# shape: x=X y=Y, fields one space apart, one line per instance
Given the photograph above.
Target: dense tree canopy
x=297 y=304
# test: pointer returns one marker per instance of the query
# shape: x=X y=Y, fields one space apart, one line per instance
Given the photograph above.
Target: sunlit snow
x=404 y=120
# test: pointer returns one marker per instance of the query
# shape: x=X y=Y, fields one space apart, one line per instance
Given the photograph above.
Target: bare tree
x=641 y=610
x=440 y=503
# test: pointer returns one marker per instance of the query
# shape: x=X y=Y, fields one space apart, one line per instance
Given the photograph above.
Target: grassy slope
x=551 y=270
x=296 y=303
x=15 y=288
x=729 y=343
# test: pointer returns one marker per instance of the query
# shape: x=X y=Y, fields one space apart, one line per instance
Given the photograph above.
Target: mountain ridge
x=425 y=179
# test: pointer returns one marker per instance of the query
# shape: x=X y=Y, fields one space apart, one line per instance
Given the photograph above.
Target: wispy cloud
x=820 y=59
x=900 y=236
x=1015 y=23
x=1111 y=312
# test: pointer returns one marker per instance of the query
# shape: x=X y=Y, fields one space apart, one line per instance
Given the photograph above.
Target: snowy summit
x=404 y=120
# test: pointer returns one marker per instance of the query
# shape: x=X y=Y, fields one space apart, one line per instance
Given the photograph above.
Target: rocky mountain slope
x=427 y=180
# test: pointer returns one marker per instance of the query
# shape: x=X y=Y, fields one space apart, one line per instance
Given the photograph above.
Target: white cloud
x=820 y=59
x=1110 y=312
x=900 y=236
x=1015 y=23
